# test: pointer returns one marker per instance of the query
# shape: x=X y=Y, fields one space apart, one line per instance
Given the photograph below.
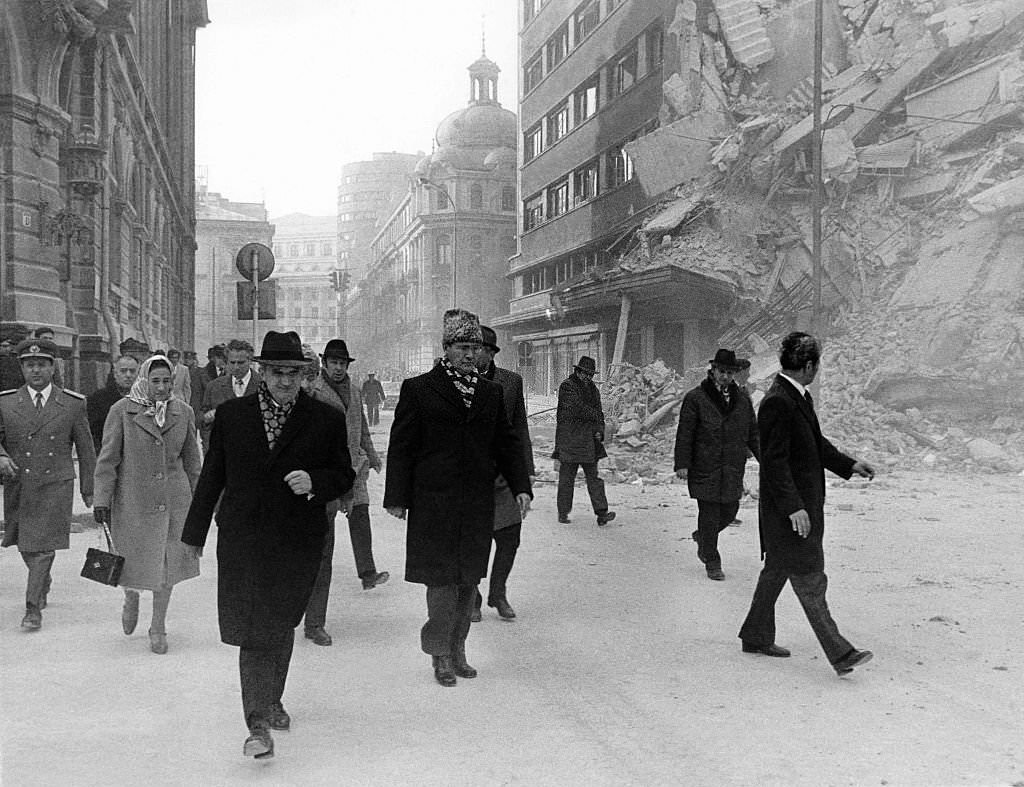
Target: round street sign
x=264 y=261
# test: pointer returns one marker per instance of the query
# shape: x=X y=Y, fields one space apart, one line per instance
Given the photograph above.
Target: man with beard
x=276 y=459
x=99 y=403
x=716 y=429
x=450 y=439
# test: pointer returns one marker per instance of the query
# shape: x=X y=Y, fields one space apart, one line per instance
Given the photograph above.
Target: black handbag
x=103 y=567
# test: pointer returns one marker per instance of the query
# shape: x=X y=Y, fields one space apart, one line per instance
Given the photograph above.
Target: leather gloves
x=101 y=514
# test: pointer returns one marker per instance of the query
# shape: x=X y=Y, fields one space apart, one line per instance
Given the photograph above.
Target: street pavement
x=622 y=668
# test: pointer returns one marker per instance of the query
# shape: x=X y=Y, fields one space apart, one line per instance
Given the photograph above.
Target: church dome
x=478 y=125
x=501 y=158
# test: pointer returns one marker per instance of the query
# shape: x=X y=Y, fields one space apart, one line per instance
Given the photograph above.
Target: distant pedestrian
x=40 y=423
x=449 y=441
x=508 y=521
x=146 y=472
x=717 y=431
x=239 y=380
x=180 y=376
x=98 y=404
x=334 y=387
x=794 y=457
x=275 y=460
x=579 y=440
x=373 y=395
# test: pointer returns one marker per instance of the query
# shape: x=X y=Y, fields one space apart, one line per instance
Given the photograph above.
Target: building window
x=310 y=250
x=558 y=123
x=623 y=72
x=655 y=47
x=476 y=197
x=558 y=46
x=533 y=72
x=326 y=250
x=563 y=271
x=444 y=250
x=533 y=142
x=314 y=312
x=558 y=199
x=584 y=183
x=619 y=165
x=585 y=19
x=293 y=250
x=531 y=8
x=508 y=198
x=533 y=212
x=535 y=281
x=585 y=100
x=442 y=200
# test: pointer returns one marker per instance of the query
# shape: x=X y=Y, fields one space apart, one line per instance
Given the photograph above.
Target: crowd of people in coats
x=273 y=446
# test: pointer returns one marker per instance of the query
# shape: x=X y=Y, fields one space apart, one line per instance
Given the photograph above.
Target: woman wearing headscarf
x=146 y=473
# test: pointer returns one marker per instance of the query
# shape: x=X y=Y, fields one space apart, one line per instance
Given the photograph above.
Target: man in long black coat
x=98 y=404
x=449 y=440
x=717 y=428
x=794 y=457
x=278 y=457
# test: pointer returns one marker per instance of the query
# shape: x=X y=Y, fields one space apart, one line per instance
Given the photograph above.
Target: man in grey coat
x=717 y=429
x=39 y=425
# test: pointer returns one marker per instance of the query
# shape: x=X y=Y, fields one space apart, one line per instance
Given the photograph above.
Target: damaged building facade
x=97 y=220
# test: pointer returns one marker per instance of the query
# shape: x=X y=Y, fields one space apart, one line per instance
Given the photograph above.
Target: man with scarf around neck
x=450 y=439
x=717 y=431
x=276 y=459
x=39 y=424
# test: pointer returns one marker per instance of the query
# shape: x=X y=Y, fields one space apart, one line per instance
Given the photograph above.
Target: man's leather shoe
x=605 y=517
x=563 y=519
x=766 y=650
x=319 y=636
x=158 y=642
x=459 y=663
x=852 y=659
x=716 y=574
x=475 y=616
x=444 y=670
x=33 y=620
x=504 y=608
x=278 y=718
x=377 y=578
x=259 y=744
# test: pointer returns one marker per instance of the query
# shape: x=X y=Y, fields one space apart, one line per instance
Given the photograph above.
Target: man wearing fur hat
x=717 y=429
x=450 y=439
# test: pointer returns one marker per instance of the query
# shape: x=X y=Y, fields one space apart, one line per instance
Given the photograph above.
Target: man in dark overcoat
x=717 y=429
x=794 y=457
x=40 y=423
x=579 y=440
x=508 y=523
x=238 y=380
x=373 y=395
x=449 y=441
x=118 y=385
x=278 y=458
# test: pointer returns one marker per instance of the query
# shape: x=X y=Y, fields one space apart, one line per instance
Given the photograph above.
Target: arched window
x=476 y=197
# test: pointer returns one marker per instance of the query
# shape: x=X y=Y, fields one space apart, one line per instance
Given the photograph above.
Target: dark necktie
x=39 y=402
x=810 y=401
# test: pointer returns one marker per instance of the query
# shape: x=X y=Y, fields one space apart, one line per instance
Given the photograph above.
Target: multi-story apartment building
x=222 y=228
x=305 y=257
x=592 y=81
x=447 y=242
x=97 y=138
x=367 y=194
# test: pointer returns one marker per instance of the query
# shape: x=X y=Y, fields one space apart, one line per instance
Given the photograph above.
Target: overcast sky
x=287 y=92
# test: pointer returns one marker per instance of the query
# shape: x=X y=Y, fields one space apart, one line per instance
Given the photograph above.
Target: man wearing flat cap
x=276 y=459
x=334 y=387
x=579 y=440
x=450 y=440
x=717 y=431
x=39 y=424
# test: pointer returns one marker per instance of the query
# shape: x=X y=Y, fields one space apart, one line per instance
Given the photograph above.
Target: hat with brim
x=36 y=348
x=282 y=349
x=490 y=338
x=586 y=364
x=726 y=359
x=337 y=349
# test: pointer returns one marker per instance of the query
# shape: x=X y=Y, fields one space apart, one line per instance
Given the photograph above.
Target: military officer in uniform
x=39 y=424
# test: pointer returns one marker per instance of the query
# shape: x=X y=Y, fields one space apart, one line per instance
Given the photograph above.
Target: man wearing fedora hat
x=276 y=460
x=40 y=423
x=450 y=439
x=579 y=440
x=333 y=386
x=717 y=430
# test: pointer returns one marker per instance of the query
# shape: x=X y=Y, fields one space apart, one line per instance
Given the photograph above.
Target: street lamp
x=428 y=183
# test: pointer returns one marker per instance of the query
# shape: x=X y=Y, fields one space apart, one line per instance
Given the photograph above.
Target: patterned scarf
x=274 y=414
x=141 y=393
x=465 y=384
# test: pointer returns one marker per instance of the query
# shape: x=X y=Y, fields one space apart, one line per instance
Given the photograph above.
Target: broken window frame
x=585 y=182
x=654 y=47
x=585 y=20
x=533 y=212
x=619 y=166
x=624 y=72
x=585 y=100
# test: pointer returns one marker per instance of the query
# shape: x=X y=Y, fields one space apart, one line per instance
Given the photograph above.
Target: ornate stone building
x=305 y=257
x=97 y=223
x=447 y=242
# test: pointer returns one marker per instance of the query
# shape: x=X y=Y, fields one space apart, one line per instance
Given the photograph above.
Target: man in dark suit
x=240 y=380
x=449 y=441
x=508 y=523
x=373 y=396
x=278 y=458
x=794 y=457
x=99 y=403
